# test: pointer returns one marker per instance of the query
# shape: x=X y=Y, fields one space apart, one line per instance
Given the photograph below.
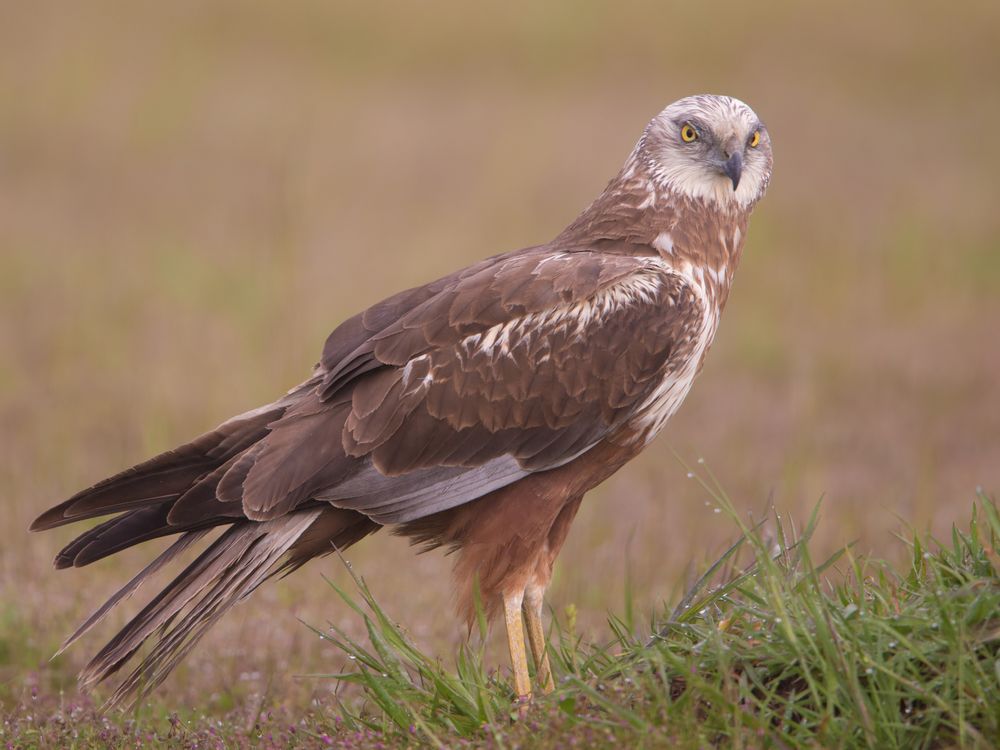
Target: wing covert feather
x=582 y=339
x=443 y=393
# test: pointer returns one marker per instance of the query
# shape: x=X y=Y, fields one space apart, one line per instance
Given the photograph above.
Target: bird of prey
x=471 y=413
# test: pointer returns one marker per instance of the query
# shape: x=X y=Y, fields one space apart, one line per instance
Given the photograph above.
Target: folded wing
x=454 y=390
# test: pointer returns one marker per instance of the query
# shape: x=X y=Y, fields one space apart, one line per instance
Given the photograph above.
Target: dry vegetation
x=194 y=194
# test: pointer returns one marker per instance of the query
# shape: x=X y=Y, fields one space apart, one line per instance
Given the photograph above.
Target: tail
x=180 y=492
x=225 y=573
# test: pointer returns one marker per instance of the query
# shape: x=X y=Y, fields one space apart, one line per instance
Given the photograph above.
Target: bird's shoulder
x=542 y=289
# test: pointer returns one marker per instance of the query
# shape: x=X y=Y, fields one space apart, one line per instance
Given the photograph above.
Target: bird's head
x=711 y=148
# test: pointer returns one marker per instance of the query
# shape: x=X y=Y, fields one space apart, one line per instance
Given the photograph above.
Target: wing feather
x=517 y=367
x=448 y=392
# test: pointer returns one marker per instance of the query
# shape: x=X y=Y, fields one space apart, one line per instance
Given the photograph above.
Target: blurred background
x=193 y=194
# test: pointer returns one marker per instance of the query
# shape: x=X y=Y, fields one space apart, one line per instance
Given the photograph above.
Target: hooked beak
x=733 y=168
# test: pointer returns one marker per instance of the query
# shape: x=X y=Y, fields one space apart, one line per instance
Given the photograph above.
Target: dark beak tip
x=733 y=169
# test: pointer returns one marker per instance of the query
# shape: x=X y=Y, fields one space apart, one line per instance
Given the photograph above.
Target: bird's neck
x=636 y=215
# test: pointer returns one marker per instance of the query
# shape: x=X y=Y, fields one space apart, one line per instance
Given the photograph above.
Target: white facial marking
x=695 y=169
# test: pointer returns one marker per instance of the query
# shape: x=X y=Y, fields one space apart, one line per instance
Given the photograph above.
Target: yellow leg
x=515 y=641
x=533 y=602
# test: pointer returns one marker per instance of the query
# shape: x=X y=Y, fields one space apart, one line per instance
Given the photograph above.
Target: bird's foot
x=522 y=704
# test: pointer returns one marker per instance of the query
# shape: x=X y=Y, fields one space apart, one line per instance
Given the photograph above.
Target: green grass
x=768 y=649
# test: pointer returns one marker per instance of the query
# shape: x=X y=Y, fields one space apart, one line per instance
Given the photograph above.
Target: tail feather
x=335 y=529
x=188 y=491
x=175 y=549
x=225 y=573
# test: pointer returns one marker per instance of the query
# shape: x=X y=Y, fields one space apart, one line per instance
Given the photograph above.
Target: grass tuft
x=767 y=649
x=411 y=691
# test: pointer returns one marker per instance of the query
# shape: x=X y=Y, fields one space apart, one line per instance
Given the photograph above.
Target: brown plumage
x=473 y=412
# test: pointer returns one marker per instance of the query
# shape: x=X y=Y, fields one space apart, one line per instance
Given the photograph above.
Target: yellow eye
x=688 y=133
x=755 y=139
